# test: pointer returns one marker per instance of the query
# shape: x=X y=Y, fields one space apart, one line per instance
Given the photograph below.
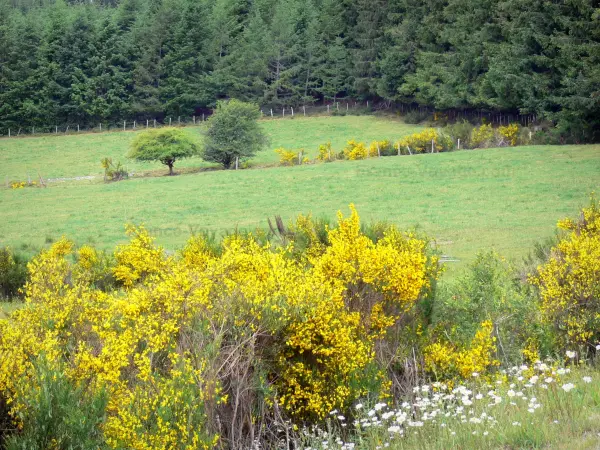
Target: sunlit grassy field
x=471 y=200
x=79 y=155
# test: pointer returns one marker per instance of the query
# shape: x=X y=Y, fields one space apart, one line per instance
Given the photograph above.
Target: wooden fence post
x=9 y=132
x=194 y=118
x=458 y=146
x=147 y=123
x=236 y=162
x=78 y=128
x=154 y=123
x=283 y=113
x=271 y=112
x=292 y=111
x=134 y=124
x=169 y=121
x=56 y=129
x=124 y=125
x=100 y=126
x=327 y=109
x=432 y=146
x=304 y=110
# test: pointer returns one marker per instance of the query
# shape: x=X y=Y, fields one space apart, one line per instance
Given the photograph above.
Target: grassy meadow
x=68 y=156
x=504 y=198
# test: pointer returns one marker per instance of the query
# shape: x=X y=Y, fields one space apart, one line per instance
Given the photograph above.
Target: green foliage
x=113 y=172
x=13 y=273
x=460 y=130
x=233 y=133
x=59 y=414
x=489 y=290
x=166 y=145
x=85 y=63
x=415 y=117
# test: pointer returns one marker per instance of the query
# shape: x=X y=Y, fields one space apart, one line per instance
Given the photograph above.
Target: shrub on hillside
x=425 y=141
x=460 y=130
x=291 y=157
x=112 y=171
x=568 y=282
x=326 y=153
x=482 y=136
x=489 y=290
x=13 y=274
x=415 y=117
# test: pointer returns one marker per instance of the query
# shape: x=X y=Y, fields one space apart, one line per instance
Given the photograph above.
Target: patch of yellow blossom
x=510 y=133
x=421 y=142
x=568 y=281
x=312 y=320
x=446 y=362
x=482 y=136
x=355 y=150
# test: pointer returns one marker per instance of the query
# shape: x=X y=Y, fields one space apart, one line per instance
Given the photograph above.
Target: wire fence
x=341 y=107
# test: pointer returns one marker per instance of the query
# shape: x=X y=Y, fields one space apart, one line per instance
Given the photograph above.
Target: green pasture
x=79 y=155
x=504 y=198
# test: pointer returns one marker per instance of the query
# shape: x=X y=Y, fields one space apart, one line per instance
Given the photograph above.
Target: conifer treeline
x=86 y=62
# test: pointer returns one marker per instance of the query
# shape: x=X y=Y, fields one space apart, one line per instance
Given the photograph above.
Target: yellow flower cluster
x=22 y=184
x=160 y=345
x=291 y=157
x=510 y=133
x=326 y=153
x=378 y=148
x=355 y=150
x=422 y=142
x=482 y=136
x=446 y=362
x=568 y=281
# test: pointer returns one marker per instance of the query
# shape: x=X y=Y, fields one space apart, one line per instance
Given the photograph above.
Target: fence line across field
x=267 y=113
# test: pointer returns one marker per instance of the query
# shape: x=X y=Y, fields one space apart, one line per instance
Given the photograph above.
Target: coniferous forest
x=107 y=60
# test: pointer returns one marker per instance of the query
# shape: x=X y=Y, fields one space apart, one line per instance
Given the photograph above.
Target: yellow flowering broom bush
x=422 y=142
x=189 y=349
x=444 y=361
x=568 y=282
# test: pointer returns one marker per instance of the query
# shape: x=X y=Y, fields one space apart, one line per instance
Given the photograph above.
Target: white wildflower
x=567 y=387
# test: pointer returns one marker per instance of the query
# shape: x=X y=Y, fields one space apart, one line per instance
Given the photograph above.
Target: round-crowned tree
x=166 y=145
x=233 y=133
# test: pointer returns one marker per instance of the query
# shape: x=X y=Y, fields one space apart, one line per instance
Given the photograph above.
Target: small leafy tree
x=165 y=145
x=233 y=133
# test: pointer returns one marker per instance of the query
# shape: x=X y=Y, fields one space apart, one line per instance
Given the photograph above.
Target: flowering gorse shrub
x=422 y=142
x=188 y=347
x=291 y=157
x=482 y=136
x=355 y=150
x=326 y=153
x=509 y=133
x=568 y=282
x=445 y=362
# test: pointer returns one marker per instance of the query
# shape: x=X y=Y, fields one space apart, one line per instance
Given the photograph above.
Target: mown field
x=58 y=156
x=494 y=198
